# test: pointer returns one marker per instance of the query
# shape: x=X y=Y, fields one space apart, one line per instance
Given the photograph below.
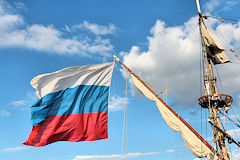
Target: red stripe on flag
x=75 y=127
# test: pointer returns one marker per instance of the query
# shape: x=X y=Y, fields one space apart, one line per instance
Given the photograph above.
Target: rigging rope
x=224 y=91
x=228 y=6
x=126 y=119
x=220 y=82
x=211 y=3
x=174 y=142
x=222 y=19
x=175 y=68
x=235 y=113
x=234 y=53
x=206 y=124
x=234 y=133
x=210 y=6
x=229 y=119
x=124 y=123
x=201 y=84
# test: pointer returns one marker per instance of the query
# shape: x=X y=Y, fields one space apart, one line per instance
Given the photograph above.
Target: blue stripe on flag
x=80 y=99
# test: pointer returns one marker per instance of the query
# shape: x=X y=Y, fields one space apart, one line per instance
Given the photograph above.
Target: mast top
x=198 y=7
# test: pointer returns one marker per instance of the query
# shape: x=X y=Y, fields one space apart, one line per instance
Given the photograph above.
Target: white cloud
x=15 y=32
x=96 y=29
x=4 y=113
x=18 y=103
x=29 y=99
x=117 y=103
x=113 y=156
x=235 y=156
x=166 y=46
x=20 y=6
x=170 y=151
x=234 y=132
x=14 y=149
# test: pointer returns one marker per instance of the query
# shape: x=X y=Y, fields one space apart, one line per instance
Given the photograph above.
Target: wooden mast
x=212 y=97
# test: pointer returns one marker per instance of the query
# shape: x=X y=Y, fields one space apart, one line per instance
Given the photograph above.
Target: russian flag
x=72 y=105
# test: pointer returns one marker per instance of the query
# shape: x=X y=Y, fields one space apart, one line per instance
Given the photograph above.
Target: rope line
x=178 y=63
x=222 y=19
x=126 y=118
x=174 y=142
x=124 y=131
x=228 y=6
x=235 y=113
x=229 y=119
x=234 y=53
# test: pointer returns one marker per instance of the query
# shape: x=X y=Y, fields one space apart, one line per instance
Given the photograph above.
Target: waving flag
x=72 y=105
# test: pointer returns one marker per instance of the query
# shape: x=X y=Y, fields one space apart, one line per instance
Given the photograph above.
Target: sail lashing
x=214 y=49
x=197 y=145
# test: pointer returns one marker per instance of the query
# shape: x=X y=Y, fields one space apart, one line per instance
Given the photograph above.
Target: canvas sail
x=197 y=145
x=213 y=48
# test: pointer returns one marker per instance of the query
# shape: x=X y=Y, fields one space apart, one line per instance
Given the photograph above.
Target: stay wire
x=178 y=63
x=236 y=55
x=124 y=131
x=235 y=113
x=230 y=106
x=223 y=19
x=220 y=82
x=211 y=4
x=174 y=142
x=206 y=124
x=224 y=91
x=228 y=6
x=126 y=117
x=229 y=119
x=201 y=83
x=202 y=69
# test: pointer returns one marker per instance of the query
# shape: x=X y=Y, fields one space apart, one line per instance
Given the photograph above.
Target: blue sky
x=151 y=36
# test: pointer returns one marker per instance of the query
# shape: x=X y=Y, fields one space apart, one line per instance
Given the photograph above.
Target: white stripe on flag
x=98 y=75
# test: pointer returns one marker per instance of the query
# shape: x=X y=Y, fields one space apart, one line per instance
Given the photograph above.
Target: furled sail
x=213 y=48
x=197 y=145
